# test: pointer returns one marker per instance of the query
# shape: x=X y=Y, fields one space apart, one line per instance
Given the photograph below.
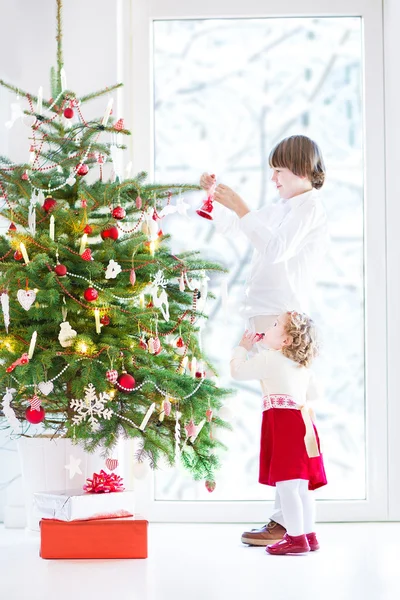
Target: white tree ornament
x=5 y=307
x=180 y=207
x=8 y=411
x=113 y=269
x=91 y=408
x=159 y=301
x=66 y=335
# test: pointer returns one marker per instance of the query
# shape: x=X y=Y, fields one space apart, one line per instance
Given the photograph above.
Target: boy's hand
x=249 y=339
x=227 y=197
x=207 y=181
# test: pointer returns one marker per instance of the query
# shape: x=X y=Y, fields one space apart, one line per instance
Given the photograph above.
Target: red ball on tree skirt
x=68 y=113
x=18 y=255
x=61 y=270
x=34 y=416
x=49 y=204
x=111 y=232
x=126 y=382
x=82 y=170
x=91 y=294
x=88 y=229
x=105 y=320
x=119 y=212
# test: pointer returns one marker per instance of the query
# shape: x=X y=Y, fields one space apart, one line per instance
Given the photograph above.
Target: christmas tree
x=100 y=321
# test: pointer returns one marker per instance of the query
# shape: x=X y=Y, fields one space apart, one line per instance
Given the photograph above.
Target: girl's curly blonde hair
x=304 y=347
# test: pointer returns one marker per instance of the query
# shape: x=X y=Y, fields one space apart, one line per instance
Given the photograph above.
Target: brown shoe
x=269 y=534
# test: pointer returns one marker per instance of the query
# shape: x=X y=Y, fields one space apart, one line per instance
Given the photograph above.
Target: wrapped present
x=105 y=538
x=78 y=505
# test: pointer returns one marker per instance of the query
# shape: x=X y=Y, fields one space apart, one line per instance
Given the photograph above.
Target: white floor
x=208 y=562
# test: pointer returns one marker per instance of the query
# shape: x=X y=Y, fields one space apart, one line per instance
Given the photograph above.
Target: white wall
x=27 y=51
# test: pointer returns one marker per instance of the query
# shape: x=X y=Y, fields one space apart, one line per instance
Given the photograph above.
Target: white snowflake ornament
x=91 y=408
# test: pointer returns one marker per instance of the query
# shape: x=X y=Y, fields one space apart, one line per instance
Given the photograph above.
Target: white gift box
x=77 y=505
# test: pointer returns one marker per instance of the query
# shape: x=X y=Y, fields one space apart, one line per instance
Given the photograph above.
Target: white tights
x=298 y=506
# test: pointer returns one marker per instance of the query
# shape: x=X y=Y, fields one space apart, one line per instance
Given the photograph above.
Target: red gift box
x=100 y=538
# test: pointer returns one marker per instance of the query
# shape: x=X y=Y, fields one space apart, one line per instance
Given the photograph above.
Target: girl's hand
x=207 y=181
x=249 y=339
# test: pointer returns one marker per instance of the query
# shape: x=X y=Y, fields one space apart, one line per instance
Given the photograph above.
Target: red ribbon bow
x=104 y=483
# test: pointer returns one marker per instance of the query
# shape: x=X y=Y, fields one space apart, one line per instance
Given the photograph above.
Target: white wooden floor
x=208 y=562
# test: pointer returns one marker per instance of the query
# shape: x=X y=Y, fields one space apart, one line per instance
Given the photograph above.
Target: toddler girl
x=290 y=457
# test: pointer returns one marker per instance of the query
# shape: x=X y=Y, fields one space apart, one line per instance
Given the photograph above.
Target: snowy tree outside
x=226 y=91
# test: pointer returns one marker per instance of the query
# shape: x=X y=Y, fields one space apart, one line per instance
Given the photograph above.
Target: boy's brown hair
x=302 y=156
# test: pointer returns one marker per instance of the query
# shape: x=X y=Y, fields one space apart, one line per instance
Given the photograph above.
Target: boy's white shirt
x=289 y=240
x=277 y=373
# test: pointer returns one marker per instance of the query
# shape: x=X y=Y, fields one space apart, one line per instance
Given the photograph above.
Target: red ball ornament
x=126 y=382
x=82 y=170
x=105 y=320
x=12 y=228
x=88 y=229
x=60 y=270
x=35 y=416
x=68 y=113
x=111 y=232
x=119 y=212
x=91 y=294
x=49 y=204
x=18 y=255
x=210 y=486
x=24 y=176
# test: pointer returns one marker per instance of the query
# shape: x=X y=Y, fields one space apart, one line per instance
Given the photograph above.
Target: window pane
x=225 y=92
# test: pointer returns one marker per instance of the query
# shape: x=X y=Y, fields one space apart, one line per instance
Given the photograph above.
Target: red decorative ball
x=82 y=170
x=88 y=229
x=35 y=416
x=111 y=232
x=49 y=204
x=105 y=320
x=119 y=212
x=210 y=485
x=24 y=176
x=126 y=382
x=68 y=113
x=91 y=294
x=18 y=255
x=61 y=270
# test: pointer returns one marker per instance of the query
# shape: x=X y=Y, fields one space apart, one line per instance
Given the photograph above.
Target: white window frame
x=136 y=69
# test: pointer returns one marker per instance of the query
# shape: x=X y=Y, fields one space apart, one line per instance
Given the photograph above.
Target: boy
x=289 y=240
